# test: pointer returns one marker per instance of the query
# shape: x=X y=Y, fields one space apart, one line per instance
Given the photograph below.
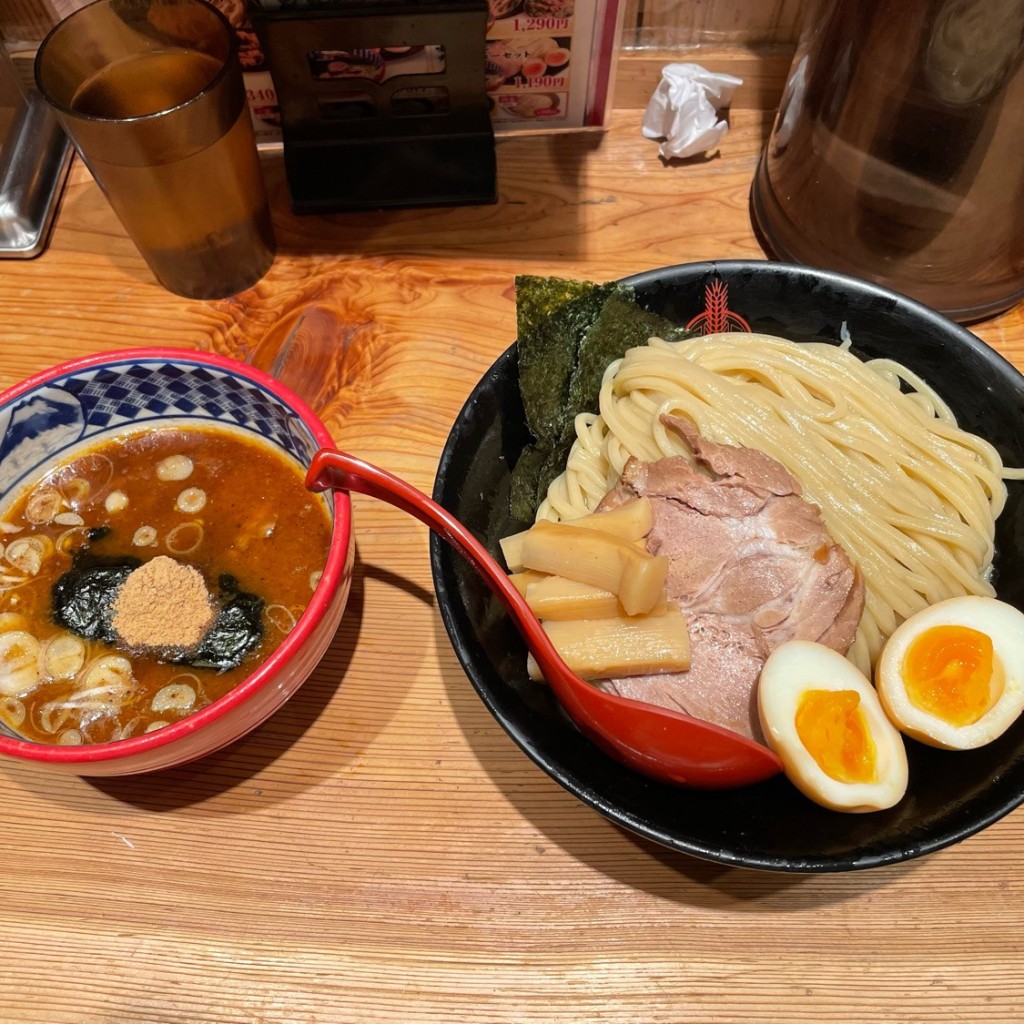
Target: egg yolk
x=947 y=671
x=831 y=725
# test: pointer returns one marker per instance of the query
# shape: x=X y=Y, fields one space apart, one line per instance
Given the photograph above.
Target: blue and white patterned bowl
x=79 y=403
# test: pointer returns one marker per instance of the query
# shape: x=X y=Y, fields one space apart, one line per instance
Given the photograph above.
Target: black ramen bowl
x=769 y=825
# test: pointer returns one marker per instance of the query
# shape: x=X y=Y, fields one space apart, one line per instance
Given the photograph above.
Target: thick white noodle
x=910 y=496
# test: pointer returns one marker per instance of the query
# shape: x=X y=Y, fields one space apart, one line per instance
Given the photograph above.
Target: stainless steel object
x=35 y=156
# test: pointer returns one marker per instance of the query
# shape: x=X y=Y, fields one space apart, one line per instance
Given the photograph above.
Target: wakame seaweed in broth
x=215 y=500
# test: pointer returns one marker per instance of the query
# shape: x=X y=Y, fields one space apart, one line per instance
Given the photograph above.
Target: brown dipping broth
x=258 y=523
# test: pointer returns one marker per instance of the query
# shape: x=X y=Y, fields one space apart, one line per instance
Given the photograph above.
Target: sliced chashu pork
x=751 y=566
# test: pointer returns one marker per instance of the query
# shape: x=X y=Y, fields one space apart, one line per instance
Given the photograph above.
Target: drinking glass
x=151 y=94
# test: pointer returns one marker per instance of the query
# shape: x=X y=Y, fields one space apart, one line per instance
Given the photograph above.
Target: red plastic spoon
x=662 y=744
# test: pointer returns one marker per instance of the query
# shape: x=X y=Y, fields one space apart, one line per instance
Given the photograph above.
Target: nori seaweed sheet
x=538 y=297
x=569 y=332
x=522 y=490
x=237 y=629
x=555 y=315
x=620 y=326
x=83 y=596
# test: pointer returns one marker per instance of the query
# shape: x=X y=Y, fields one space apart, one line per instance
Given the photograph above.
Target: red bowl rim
x=94 y=753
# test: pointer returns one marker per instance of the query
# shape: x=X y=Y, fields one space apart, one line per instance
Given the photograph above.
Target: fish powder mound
x=163 y=604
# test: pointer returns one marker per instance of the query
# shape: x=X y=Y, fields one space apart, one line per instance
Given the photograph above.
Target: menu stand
x=368 y=122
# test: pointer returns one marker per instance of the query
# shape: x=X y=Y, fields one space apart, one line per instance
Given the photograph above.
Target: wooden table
x=380 y=850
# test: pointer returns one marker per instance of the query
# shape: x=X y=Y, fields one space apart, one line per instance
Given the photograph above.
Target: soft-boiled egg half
x=824 y=720
x=952 y=675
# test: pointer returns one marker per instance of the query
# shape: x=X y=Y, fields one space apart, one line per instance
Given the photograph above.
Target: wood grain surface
x=380 y=850
x=668 y=23
x=762 y=70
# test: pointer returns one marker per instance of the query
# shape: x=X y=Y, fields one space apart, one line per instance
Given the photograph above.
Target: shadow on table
x=538 y=214
x=541 y=194
x=631 y=859
x=238 y=764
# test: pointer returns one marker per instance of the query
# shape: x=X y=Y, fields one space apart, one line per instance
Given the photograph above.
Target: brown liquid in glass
x=202 y=222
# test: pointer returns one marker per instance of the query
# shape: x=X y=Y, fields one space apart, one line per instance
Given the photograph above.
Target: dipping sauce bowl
x=45 y=419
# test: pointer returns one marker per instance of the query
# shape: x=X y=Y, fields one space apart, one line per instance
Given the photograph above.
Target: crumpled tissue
x=683 y=109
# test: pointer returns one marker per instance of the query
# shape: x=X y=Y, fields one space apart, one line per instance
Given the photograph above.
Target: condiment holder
x=366 y=121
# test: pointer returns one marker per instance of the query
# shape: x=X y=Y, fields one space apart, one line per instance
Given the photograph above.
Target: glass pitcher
x=897 y=153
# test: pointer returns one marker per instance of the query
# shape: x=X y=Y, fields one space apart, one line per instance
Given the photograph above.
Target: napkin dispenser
x=382 y=104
